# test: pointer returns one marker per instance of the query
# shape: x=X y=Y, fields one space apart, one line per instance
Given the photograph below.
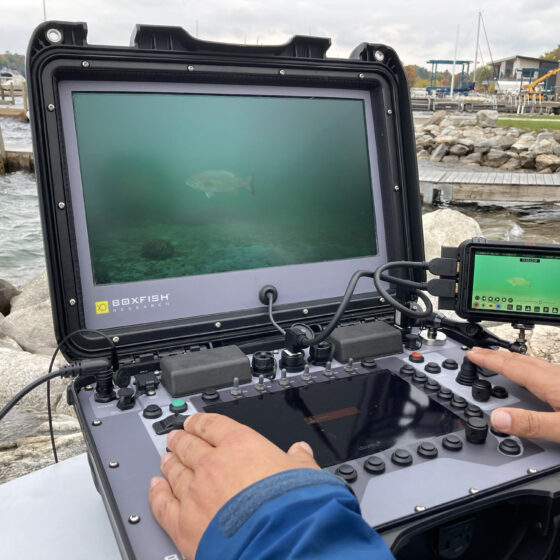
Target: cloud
x=418 y=31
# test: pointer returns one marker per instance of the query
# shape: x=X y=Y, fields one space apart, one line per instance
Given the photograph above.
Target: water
x=21 y=248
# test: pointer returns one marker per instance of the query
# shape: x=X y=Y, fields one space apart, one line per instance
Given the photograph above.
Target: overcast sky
x=417 y=30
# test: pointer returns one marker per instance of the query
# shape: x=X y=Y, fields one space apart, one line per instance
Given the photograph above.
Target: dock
x=463 y=186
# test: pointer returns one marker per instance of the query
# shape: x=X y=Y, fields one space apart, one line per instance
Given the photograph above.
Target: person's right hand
x=538 y=376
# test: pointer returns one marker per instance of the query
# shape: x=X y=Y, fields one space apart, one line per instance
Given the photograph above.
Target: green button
x=178 y=403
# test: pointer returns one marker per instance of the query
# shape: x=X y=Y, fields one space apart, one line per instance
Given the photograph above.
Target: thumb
x=302 y=452
x=527 y=423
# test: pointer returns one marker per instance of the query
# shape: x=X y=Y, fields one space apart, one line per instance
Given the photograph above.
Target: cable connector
x=443 y=267
x=442 y=288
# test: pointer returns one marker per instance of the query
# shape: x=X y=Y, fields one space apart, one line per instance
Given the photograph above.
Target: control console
x=409 y=432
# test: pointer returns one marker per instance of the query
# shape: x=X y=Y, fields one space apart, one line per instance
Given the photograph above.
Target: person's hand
x=538 y=376
x=212 y=460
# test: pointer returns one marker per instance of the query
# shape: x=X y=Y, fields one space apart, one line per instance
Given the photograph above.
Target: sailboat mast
x=476 y=49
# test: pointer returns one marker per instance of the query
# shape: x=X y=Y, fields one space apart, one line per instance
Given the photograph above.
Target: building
x=510 y=73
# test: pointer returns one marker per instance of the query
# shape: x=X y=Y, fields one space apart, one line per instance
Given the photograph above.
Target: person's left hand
x=212 y=460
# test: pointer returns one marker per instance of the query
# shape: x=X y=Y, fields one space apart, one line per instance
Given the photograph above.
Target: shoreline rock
x=456 y=137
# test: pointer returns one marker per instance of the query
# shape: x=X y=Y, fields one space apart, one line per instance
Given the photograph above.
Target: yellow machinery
x=530 y=88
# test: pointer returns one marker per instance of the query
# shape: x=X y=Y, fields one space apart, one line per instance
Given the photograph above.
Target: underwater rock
x=157 y=250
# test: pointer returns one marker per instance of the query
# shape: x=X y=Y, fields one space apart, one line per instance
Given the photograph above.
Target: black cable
x=275 y=324
x=416 y=288
x=58 y=373
x=114 y=361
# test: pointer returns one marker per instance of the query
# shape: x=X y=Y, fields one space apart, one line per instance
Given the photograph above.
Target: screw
x=157 y=371
x=381 y=300
x=61 y=205
x=531 y=470
x=96 y=422
x=116 y=339
x=473 y=491
x=283 y=381
x=72 y=302
x=419 y=508
x=465 y=348
x=150 y=393
x=88 y=387
x=282 y=72
x=54 y=35
x=260 y=385
x=414 y=308
x=85 y=63
x=218 y=324
x=134 y=518
x=50 y=107
x=389 y=111
x=361 y=76
x=190 y=68
x=379 y=56
x=113 y=464
x=306 y=376
x=235 y=390
x=396 y=188
x=305 y=311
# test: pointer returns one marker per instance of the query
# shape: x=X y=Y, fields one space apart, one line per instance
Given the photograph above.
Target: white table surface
x=55 y=514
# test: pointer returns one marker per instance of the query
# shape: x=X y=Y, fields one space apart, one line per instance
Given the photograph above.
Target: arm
x=538 y=376
x=229 y=492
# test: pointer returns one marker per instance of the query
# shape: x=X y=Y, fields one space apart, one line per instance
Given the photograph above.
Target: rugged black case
x=170 y=54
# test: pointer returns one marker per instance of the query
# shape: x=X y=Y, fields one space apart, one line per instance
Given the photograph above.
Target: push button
x=458 y=402
x=432 y=367
x=510 y=447
x=419 y=378
x=450 y=363
x=473 y=410
x=445 y=394
x=347 y=473
x=152 y=411
x=407 y=369
x=481 y=390
x=178 y=405
x=427 y=450
x=173 y=422
x=416 y=357
x=374 y=465
x=499 y=392
x=210 y=395
x=401 y=457
x=476 y=430
x=432 y=385
x=452 y=442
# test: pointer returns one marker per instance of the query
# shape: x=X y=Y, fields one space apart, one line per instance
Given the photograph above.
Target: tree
x=13 y=61
x=553 y=55
x=410 y=74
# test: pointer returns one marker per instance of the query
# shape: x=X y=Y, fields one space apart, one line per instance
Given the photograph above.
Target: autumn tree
x=553 y=55
x=410 y=74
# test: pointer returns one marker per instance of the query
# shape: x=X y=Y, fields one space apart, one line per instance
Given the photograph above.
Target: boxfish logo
x=101 y=307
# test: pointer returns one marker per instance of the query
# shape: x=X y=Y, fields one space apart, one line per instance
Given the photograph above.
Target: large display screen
x=517 y=284
x=345 y=419
x=179 y=185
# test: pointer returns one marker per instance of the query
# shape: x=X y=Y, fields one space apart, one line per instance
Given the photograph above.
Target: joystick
x=468 y=373
x=126 y=399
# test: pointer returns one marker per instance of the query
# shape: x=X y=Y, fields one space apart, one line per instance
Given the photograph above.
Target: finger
x=302 y=452
x=527 y=423
x=165 y=506
x=536 y=375
x=213 y=428
x=188 y=448
x=178 y=475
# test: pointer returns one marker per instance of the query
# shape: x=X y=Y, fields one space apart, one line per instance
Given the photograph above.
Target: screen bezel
x=317 y=281
x=467 y=256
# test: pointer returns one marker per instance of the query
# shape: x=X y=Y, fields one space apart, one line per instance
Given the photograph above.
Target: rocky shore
x=475 y=139
x=27 y=342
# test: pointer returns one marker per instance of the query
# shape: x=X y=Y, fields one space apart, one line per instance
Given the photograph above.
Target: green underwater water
x=272 y=181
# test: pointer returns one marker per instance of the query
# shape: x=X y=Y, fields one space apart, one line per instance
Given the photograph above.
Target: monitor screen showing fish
x=179 y=185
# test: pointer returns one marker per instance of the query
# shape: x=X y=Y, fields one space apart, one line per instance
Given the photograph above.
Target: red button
x=416 y=357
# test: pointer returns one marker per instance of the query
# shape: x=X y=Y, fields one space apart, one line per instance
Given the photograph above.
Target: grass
x=528 y=122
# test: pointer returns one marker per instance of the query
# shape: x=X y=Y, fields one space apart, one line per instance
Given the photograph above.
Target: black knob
x=473 y=410
x=468 y=373
x=481 y=390
x=210 y=395
x=292 y=362
x=476 y=430
x=450 y=363
x=427 y=450
x=126 y=399
x=510 y=447
x=419 y=378
x=500 y=392
x=432 y=385
x=452 y=442
x=369 y=363
x=458 y=402
x=152 y=411
x=321 y=353
x=263 y=363
x=412 y=341
x=401 y=457
x=445 y=394
x=407 y=369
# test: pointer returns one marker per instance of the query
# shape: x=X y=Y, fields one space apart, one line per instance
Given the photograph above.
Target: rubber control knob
x=481 y=390
x=321 y=353
x=374 y=465
x=263 y=363
x=292 y=362
x=476 y=430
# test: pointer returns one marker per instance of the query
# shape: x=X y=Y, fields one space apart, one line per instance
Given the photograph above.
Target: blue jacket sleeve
x=301 y=514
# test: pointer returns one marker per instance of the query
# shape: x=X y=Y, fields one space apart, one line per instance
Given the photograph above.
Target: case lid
x=177 y=177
